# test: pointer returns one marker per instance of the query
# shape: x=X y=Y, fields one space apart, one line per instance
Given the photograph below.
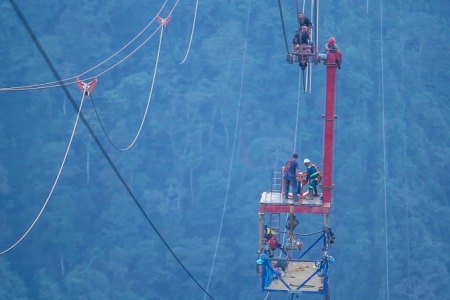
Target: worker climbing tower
x=283 y=265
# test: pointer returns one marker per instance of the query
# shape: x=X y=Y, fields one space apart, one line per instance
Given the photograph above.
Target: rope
x=98 y=65
x=54 y=183
x=146 y=108
x=384 y=151
x=234 y=145
x=97 y=141
x=267 y=296
x=282 y=23
x=405 y=174
x=312 y=233
x=190 y=39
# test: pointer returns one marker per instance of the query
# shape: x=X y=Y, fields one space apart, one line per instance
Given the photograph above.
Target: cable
x=54 y=183
x=384 y=151
x=146 y=108
x=309 y=234
x=405 y=174
x=83 y=119
x=98 y=65
x=190 y=39
x=233 y=147
x=282 y=23
x=89 y=78
x=298 y=108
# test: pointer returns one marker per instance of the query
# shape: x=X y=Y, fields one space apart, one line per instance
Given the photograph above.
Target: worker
x=290 y=172
x=331 y=45
x=323 y=265
x=300 y=38
x=304 y=21
x=312 y=177
x=300 y=44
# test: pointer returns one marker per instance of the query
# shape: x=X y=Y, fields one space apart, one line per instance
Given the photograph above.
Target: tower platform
x=296 y=277
x=274 y=202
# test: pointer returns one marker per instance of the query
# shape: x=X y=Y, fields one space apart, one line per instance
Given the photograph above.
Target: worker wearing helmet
x=331 y=45
x=312 y=177
x=290 y=176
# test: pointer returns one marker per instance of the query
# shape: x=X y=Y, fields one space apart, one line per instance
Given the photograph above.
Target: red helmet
x=331 y=40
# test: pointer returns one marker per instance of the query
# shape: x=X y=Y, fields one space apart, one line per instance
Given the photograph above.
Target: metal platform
x=275 y=202
x=295 y=276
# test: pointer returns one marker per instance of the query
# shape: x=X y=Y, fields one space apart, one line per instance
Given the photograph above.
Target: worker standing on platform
x=300 y=38
x=304 y=21
x=290 y=176
x=312 y=177
x=331 y=45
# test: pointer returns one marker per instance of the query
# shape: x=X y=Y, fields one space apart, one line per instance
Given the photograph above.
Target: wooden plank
x=274 y=202
x=296 y=273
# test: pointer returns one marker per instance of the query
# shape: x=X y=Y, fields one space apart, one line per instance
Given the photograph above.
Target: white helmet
x=306 y=161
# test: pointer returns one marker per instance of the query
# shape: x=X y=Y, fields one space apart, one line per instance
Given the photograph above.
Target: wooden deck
x=296 y=273
x=275 y=202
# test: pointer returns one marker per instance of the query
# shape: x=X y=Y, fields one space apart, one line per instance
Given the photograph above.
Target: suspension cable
x=233 y=150
x=190 y=39
x=405 y=173
x=102 y=149
x=54 y=183
x=89 y=78
x=282 y=24
x=146 y=108
x=93 y=68
x=384 y=151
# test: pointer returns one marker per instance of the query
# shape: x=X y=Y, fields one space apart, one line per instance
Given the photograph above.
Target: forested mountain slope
x=93 y=243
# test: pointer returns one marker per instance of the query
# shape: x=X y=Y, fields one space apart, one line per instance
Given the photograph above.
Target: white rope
x=405 y=173
x=384 y=152
x=192 y=34
x=298 y=108
x=54 y=183
x=267 y=296
x=303 y=9
x=149 y=96
x=93 y=68
x=233 y=148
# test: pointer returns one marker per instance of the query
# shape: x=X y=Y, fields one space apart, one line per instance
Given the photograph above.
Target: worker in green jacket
x=313 y=177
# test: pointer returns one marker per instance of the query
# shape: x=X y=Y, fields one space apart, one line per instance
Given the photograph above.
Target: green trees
x=93 y=243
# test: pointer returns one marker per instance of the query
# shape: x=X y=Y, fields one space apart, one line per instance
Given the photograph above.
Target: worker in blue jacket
x=290 y=176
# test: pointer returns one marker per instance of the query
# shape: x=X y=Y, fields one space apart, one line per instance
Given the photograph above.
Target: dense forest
x=216 y=127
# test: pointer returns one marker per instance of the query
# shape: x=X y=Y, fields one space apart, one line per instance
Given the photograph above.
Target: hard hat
x=306 y=161
x=331 y=40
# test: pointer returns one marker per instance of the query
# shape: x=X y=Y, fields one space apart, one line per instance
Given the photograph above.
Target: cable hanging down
x=384 y=151
x=54 y=183
x=282 y=24
x=233 y=151
x=190 y=38
x=146 y=108
x=59 y=83
x=101 y=148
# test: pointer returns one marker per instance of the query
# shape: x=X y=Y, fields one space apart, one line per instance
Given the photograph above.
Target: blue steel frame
x=297 y=289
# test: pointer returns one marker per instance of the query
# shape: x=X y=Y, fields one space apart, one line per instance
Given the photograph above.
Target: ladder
x=275 y=186
x=274 y=224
